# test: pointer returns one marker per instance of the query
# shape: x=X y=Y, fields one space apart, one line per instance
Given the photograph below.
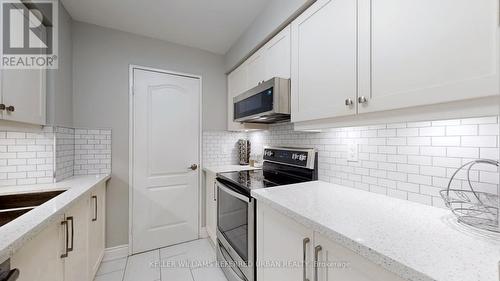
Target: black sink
x=15 y=205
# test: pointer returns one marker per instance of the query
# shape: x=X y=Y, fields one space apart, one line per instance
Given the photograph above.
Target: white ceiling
x=212 y=25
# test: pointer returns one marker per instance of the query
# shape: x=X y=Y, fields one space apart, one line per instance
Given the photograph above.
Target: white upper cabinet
x=272 y=60
x=426 y=52
x=256 y=69
x=356 y=57
x=278 y=55
x=324 y=61
x=23 y=94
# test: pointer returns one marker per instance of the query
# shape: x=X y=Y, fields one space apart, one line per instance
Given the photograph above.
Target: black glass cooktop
x=271 y=175
x=247 y=179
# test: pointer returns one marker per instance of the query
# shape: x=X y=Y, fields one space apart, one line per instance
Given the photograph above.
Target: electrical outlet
x=352 y=152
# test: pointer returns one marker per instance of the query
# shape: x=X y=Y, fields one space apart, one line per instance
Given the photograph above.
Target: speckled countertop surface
x=415 y=241
x=14 y=234
x=228 y=168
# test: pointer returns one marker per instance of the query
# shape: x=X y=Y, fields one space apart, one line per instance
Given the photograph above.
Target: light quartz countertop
x=228 y=168
x=14 y=234
x=414 y=241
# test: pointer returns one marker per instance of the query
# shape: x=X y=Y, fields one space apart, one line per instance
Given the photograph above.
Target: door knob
x=349 y=102
x=362 y=99
x=10 y=108
x=193 y=167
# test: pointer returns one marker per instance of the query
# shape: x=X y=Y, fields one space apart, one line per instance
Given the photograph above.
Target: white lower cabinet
x=282 y=246
x=71 y=248
x=211 y=206
x=96 y=229
x=76 y=263
x=40 y=258
x=288 y=250
x=340 y=263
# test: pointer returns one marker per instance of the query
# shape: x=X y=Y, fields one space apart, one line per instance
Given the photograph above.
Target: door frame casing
x=131 y=131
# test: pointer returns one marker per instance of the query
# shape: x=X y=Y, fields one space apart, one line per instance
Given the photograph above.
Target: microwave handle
x=233 y=193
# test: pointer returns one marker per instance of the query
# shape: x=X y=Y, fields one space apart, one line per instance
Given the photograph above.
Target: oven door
x=235 y=227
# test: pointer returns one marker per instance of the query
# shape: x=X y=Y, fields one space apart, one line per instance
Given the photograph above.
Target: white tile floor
x=192 y=261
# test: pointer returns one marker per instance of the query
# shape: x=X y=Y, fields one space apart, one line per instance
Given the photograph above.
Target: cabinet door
x=281 y=241
x=341 y=263
x=76 y=264
x=424 y=52
x=278 y=55
x=96 y=231
x=324 y=64
x=211 y=206
x=25 y=91
x=256 y=67
x=40 y=258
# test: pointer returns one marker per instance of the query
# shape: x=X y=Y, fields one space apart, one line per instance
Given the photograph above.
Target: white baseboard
x=115 y=253
x=203 y=233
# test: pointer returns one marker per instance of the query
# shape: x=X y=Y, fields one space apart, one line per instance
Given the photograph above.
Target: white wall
x=275 y=13
x=101 y=58
x=60 y=81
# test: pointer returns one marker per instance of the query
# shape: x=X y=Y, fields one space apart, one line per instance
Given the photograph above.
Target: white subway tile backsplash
x=410 y=161
x=462 y=130
x=488 y=130
x=432 y=131
x=446 y=141
x=479 y=141
x=48 y=155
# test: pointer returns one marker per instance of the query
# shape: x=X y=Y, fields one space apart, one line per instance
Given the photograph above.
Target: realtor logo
x=29 y=34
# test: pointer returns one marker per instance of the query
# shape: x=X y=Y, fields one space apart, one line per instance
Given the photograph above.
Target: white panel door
x=343 y=264
x=324 y=47
x=166 y=144
x=427 y=52
x=278 y=55
x=280 y=240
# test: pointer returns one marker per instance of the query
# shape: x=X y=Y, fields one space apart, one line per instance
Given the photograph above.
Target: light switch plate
x=353 y=152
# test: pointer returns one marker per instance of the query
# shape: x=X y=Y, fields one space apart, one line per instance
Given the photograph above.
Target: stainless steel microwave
x=267 y=103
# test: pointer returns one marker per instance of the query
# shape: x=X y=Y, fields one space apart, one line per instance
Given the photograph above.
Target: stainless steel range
x=236 y=207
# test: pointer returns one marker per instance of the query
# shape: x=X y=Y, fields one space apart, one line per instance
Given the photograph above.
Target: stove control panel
x=291 y=156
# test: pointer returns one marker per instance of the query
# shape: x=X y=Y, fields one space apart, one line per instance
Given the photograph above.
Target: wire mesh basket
x=472 y=207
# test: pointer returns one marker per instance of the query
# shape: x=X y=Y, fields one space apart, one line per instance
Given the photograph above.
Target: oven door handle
x=234 y=194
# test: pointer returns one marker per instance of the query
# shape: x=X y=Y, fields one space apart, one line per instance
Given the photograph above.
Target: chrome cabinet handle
x=193 y=167
x=70 y=249
x=10 y=108
x=349 y=102
x=362 y=99
x=95 y=208
x=65 y=224
x=215 y=190
x=304 y=256
x=317 y=249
